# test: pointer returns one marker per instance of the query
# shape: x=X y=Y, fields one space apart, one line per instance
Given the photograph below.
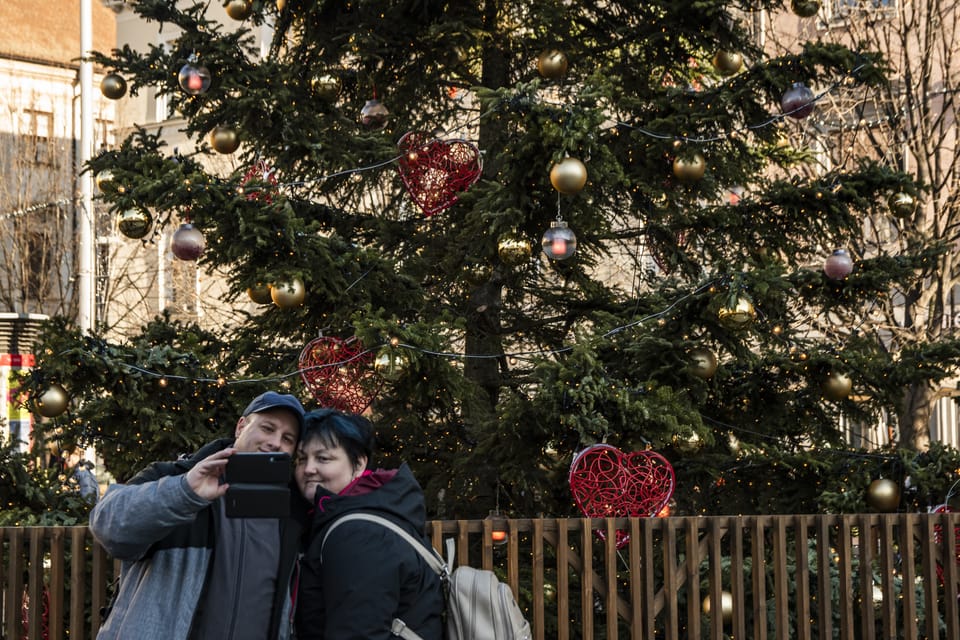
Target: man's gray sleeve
x=130 y=518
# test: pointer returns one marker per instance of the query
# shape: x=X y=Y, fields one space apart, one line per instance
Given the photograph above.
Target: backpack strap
x=433 y=559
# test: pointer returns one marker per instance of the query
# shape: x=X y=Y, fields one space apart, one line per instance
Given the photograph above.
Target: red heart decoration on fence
x=338 y=374
x=435 y=171
x=607 y=483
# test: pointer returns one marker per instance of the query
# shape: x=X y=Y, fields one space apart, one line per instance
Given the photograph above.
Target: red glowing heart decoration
x=607 y=483
x=339 y=374
x=435 y=171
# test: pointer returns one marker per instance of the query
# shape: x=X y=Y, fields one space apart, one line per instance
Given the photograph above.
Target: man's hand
x=204 y=477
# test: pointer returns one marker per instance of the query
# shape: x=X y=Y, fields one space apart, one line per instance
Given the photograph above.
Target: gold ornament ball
x=224 y=139
x=687 y=443
x=374 y=114
x=739 y=316
x=390 y=364
x=104 y=181
x=568 y=176
x=703 y=362
x=288 y=295
x=726 y=606
x=239 y=9
x=836 y=386
x=727 y=63
x=281 y=5
x=260 y=293
x=326 y=86
x=689 y=169
x=477 y=273
x=549 y=592
x=134 y=223
x=52 y=402
x=113 y=86
x=805 y=8
x=902 y=205
x=513 y=249
x=883 y=495
x=552 y=64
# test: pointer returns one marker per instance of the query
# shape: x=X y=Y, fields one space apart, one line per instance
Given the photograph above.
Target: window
x=37 y=129
x=840 y=10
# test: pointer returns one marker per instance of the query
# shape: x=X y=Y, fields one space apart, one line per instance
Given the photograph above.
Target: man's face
x=268 y=431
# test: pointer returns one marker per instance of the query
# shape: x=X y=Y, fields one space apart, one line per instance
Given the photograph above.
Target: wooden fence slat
x=671 y=583
x=929 y=562
x=35 y=599
x=690 y=570
x=781 y=594
x=14 y=592
x=78 y=582
x=463 y=544
x=845 y=555
x=908 y=523
x=802 y=580
x=636 y=573
x=536 y=557
x=610 y=568
x=649 y=586
x=562 y=546
x=888 y=611
x=513 y=557
x=586 y=579
x=57 y=582
x=824 y=582
x=866 y=557
x=486 y=545
x=758 y=576
x=948 y=537
x=715 y=578
x=737 y=584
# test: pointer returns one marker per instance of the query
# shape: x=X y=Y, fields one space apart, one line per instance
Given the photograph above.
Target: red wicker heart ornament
x=435 y=171
x=339 y=374
x=259 y=173
x=607 y=483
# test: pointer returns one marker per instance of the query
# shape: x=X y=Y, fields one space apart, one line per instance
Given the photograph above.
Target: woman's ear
x=361 y=465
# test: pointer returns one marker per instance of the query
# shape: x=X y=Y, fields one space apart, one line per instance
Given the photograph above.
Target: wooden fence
x=803 y=576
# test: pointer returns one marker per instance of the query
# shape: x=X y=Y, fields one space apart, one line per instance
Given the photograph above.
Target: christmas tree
x=512 y=231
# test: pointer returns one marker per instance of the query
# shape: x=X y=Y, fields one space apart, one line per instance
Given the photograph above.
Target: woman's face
x=321 y=466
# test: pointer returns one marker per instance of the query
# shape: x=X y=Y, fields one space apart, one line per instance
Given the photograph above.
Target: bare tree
x=909 y=126
x=36 y=214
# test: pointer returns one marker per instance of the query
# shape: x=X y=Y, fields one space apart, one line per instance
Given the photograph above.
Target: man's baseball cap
x=273 y=400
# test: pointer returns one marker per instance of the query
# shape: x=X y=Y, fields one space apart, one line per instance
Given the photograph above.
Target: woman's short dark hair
x=337 y=429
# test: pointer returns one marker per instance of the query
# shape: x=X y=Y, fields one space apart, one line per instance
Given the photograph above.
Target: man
x=188 y=571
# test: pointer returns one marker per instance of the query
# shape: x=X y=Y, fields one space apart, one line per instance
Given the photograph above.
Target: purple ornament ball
x=188 y=242
x=839 y=265
x=797 y=101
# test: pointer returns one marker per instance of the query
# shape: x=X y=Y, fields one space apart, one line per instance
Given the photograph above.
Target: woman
x=367 y=575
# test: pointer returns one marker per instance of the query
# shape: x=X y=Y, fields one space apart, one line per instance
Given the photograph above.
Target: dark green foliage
x=36 y=491
x=511 y=369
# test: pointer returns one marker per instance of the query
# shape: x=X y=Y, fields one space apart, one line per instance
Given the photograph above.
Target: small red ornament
x=262 y=173
x=607 y=483
x=188 y=242
x=339 y=374
x=435 y=171
x=798 y=101
x=839 y=265
x=193 y=78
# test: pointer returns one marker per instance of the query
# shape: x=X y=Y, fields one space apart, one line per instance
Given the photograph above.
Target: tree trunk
x=914 y=418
